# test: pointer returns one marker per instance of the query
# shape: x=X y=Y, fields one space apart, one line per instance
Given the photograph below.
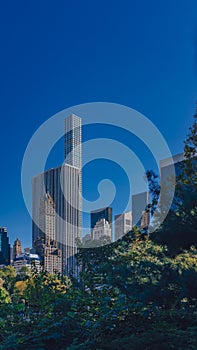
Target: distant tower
x=17 y=248
x=4 y=247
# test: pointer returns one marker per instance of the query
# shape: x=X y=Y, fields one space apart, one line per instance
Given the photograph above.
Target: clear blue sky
x=57 y=54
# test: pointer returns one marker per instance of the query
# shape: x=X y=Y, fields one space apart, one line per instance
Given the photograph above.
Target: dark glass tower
x=4 y=247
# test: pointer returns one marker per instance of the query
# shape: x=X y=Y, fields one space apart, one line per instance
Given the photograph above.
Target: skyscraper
x=123 y=224
x=72 y=141
x=73 y=151
x=4 y=247
x=62 y=186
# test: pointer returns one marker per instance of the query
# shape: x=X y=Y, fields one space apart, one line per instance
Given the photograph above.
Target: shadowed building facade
x=4 y=247
x=123 y=224
x=139 y=204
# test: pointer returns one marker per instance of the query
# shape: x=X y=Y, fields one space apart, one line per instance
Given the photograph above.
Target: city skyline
x=102 y=223
x=142 y=59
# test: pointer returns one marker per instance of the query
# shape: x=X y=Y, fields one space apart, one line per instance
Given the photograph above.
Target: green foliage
x=130 y=295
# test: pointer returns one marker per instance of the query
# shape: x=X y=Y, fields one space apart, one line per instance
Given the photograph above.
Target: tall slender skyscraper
x=63 y=185
x=72 y=146
x=73 y=151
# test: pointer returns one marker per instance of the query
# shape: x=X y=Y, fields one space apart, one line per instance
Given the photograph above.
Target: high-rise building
x=139 y=204
x=102 y=229
x=17 y=248
x=102 y=213
x=123 y=224
x=56 y=209
x=63 y=185
x=4 y=247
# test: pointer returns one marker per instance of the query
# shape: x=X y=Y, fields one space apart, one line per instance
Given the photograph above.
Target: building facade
x=145 y=221
x=28 y=260
x=102 y=229
x=52 y=258
x=17 y=248
x=47 y=218
x=123 y=224
x=4 y=247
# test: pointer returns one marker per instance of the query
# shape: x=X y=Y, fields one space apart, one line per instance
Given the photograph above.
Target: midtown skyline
x=148 y=65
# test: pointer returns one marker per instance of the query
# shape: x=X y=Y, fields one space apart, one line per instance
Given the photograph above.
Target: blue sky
x=141 y=54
